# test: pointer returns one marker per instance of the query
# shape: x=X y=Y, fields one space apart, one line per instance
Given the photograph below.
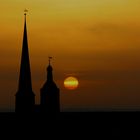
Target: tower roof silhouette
x=25 y=83
x=49 y=84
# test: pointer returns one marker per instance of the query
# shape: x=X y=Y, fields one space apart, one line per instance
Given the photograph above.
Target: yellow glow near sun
x=71 y=83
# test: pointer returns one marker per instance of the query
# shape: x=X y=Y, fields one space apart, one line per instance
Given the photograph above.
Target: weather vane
x=50 y=60
x=25 y=12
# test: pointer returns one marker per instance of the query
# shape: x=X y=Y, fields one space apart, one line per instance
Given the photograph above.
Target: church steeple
x=25 y=97
x=25 y=73
x=50 y=101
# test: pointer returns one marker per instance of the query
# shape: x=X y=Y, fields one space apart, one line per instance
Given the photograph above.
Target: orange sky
x=96 y=41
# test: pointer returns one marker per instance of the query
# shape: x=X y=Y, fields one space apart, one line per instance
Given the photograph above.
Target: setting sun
x=71 y=83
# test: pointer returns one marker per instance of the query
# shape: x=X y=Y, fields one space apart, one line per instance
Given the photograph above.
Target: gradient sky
x=97 y=41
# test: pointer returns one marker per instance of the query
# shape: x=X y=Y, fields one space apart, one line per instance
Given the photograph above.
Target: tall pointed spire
x=25 y=97
x=25 y=73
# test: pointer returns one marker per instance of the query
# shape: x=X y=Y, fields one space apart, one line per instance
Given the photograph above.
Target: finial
x=50 y=60
x=25 y=12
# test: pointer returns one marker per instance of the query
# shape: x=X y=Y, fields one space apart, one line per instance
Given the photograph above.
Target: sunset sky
x=97 y=41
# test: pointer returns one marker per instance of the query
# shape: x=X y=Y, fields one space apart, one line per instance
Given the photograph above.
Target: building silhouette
x=49 y=94
x=25 y=97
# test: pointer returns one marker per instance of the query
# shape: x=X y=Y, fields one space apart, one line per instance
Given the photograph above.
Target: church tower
x=25 y=98
x=50 y=94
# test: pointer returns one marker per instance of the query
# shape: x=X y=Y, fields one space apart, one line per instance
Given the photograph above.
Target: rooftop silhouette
x=50 y=93
x=25 y=97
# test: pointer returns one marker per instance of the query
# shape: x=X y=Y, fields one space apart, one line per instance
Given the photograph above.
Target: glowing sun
x=71 y=83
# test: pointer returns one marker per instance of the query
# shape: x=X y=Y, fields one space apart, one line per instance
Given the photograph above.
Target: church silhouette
x=25 y=97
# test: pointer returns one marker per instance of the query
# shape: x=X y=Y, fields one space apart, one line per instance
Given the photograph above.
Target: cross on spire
x=50 y=60
x=25 y=12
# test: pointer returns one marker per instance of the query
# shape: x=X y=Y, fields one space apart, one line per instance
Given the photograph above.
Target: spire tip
x=25 y=12
x=50 y=60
